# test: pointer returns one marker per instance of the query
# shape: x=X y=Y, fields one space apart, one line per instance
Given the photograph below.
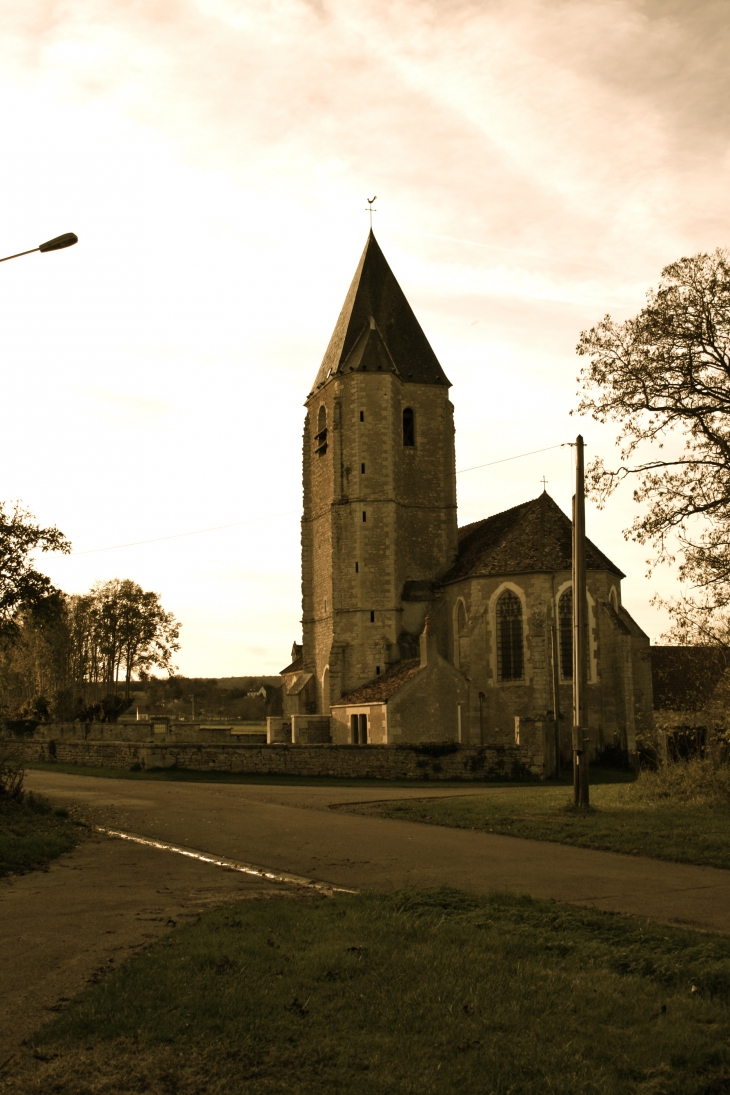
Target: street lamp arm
x=68 y=239
x=8 y=257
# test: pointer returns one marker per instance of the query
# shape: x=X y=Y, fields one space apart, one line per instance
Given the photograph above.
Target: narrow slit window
x=372 y=617
x=364 y=515
x=357 y=568
x=362 y=469
x=377 y=670
x=510 y=658
x=362 y=416
x=409 y=427
x=320 y=438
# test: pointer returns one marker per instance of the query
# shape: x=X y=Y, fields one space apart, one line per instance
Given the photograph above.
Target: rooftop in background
x=381 y=688
x=377 y=330
x=535 y=536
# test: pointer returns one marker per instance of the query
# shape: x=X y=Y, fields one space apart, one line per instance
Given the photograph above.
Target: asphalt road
x=294 y=829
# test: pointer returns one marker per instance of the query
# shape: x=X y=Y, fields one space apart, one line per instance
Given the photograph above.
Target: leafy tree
x=68 y=652
x=21 y=585
x=131 y=630
x=664 y=376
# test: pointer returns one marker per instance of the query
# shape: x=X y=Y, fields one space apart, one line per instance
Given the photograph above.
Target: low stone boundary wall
x=402 y=762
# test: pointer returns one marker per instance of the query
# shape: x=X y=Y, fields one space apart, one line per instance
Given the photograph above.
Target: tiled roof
x=686 y=676
x=295 y=666
x=535 y=536
x=380 y=689
x=377 y=330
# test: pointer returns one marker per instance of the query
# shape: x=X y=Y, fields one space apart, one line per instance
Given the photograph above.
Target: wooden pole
x=556 y=694
x=580 y=663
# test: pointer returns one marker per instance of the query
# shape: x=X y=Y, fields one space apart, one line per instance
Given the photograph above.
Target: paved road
x=293 y=829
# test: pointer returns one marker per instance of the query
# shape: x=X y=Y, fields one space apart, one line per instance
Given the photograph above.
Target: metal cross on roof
x=544 y=484
x=370 y=209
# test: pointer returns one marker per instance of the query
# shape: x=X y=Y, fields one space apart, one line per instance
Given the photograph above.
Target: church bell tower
x=379 y=523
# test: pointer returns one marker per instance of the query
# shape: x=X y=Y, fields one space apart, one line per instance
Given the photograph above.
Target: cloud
x=537 y=162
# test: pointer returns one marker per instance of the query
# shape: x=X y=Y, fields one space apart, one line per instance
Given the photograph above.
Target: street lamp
x=68 y=239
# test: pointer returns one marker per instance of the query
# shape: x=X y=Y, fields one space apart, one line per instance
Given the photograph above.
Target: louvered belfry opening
x=320 y=438
x=510 y=660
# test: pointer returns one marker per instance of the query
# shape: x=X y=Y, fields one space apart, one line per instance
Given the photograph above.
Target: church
x=416 y=630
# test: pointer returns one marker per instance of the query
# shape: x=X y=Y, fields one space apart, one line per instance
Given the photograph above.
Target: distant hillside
x=208 y=697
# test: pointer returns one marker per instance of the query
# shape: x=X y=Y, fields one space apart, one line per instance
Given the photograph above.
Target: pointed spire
x=377 y=330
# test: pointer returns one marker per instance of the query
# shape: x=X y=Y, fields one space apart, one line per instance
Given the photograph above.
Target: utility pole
x=580 y=663
x=556 y=693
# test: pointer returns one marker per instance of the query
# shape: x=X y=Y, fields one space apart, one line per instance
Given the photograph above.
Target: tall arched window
x=565 y=634
x=461 y=638
x=326 y=691
x=320 y=438
x=409 y=427
x=510 y=659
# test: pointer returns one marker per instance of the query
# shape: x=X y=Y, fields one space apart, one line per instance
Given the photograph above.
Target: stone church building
x=415 y=629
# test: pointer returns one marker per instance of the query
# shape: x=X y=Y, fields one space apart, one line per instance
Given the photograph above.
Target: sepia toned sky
x=536 y=164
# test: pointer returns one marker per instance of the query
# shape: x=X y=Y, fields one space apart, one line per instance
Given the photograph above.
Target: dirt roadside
x=89 y=911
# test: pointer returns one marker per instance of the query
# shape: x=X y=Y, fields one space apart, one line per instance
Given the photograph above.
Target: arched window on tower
x=409 y=427
x=565 y=634
x=461 y=638
x=510 y=656
x=320 y=438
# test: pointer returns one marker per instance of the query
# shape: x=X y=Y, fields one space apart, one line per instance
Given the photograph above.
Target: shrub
x=695 y=780
x=12 y=773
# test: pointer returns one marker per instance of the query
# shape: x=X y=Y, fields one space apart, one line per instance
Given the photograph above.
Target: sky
x=536 y=164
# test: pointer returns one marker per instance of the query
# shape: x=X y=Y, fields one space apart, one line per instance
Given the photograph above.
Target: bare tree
x=664 y=376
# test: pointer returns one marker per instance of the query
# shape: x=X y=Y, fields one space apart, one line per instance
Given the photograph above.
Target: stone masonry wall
x=402 y=762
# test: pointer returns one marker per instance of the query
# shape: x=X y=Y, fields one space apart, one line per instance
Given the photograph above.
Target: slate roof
x=295 y=666
x=377 y=330
x=381 y=688
x=686 y=676
x=535 y=536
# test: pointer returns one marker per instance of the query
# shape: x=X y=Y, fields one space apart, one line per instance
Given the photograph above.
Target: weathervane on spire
x=371 y=210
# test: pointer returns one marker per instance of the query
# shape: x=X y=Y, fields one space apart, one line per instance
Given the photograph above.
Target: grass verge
x=681 y=814
x=411 y=993
x=187 y=775
x=32 y=833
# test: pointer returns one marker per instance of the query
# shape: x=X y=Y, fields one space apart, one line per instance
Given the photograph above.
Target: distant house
x=258 y=694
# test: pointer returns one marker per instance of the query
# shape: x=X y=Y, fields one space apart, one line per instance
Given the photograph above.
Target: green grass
x=411 y=994
x=187 y=775
x=680 y=814
x=32 y=833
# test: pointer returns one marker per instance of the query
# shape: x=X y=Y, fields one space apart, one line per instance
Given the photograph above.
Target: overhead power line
x=518 y=457
x=287 y=513
x=179 y=535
